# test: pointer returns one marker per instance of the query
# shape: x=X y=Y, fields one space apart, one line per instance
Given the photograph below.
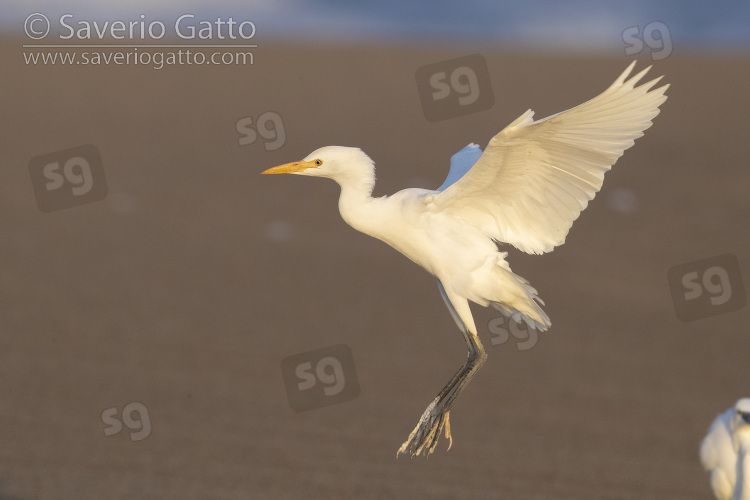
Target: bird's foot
x=424 y=437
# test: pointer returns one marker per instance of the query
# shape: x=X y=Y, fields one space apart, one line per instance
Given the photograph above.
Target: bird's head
x=335 y=162
x=741 y=416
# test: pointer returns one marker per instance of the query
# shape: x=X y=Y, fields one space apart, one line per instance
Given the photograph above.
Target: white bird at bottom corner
x=725 y=453
x=526 y=189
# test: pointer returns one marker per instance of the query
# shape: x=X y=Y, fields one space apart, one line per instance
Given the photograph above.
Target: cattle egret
x=725 y=453
x=525 y=189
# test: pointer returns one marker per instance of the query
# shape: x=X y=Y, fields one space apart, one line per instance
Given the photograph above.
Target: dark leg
x=436 y=417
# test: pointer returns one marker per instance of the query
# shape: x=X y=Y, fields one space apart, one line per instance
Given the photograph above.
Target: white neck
x=355 y=202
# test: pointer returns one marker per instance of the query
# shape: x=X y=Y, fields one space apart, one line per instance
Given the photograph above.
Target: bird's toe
x=424 y=438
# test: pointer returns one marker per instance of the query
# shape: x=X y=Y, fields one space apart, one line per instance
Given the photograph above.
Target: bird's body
x=725 y=453
x=525 y=189
x=465 y=260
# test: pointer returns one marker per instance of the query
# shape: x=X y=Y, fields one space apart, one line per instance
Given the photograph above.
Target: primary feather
x=536 y=177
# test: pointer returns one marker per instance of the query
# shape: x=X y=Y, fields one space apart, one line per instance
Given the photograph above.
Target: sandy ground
x=185 y=288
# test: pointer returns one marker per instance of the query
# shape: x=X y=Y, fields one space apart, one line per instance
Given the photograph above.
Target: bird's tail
x=518 y=299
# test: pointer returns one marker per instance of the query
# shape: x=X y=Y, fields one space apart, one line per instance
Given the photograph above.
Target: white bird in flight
x=525 y=189
x=725 y=453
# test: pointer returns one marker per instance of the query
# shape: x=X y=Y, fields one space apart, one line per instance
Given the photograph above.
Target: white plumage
x=526 y=189
x=724 y=453
x=535 y=177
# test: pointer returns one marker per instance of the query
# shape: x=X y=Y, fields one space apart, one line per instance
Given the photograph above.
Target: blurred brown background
x=190 y=282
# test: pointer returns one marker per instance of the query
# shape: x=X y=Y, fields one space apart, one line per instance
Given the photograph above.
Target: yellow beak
x=290 y=168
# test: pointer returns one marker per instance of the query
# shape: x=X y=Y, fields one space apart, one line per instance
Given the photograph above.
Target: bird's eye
x=318 y=162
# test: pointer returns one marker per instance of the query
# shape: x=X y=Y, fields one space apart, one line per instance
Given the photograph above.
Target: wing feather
x=461 y=162
x=535 y=177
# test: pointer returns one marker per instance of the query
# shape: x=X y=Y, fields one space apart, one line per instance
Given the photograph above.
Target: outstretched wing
x=535 y=177
x=461 y=162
